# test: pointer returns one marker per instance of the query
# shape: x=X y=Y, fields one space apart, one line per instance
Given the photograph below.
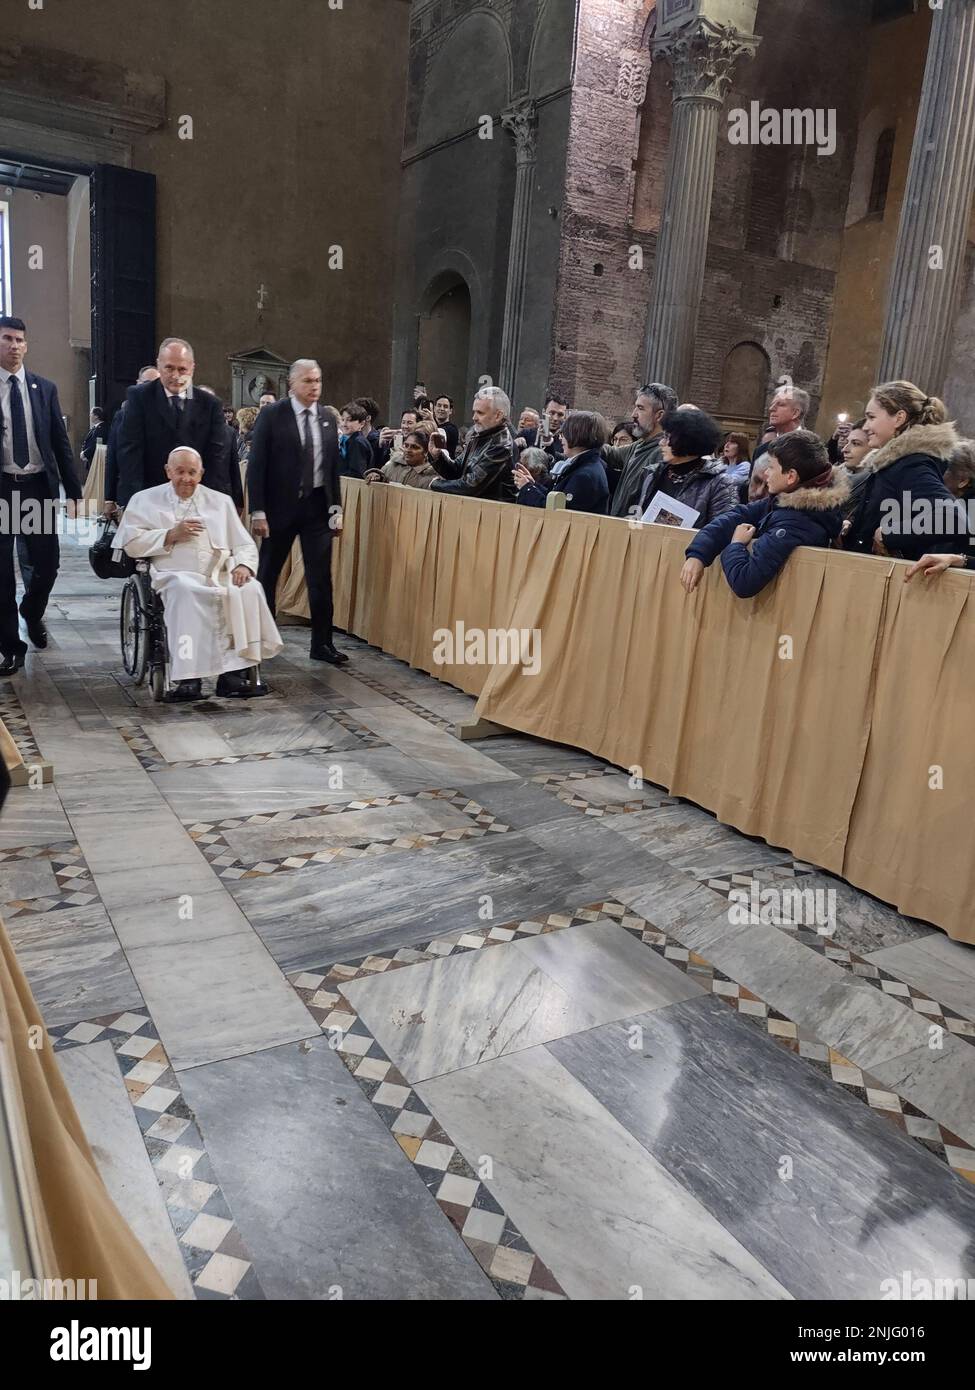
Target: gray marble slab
x=690 y=839
x=243 y=789
x=93 y=1078
x=216 y=996
x=593 y=848
x=447 y=759
x=33 y=816
x=310 y=833
x=821 y=1189
x=530 y=756
x=941 y=968
x=519 y=804
x=338 y=912
x=465 y=1009
x=74 y=963
x=325 y=1199
x=27 y=878
x=607 y=1218
x=863 y=923
x=938 y=1080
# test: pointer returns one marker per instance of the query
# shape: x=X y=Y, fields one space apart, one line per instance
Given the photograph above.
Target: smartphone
x=398 y=440
x=546 y=424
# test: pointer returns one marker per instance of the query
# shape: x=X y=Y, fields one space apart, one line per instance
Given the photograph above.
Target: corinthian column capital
x=520 y=120
x=703 y=58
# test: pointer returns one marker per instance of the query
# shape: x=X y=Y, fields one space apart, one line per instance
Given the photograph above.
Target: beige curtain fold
x=75 y=1231
x=816 y=715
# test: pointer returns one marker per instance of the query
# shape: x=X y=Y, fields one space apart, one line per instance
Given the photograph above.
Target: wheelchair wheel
x=157 y=683
x=134 y=631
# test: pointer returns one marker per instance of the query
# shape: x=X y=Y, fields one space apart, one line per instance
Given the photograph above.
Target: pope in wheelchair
x=202 y=563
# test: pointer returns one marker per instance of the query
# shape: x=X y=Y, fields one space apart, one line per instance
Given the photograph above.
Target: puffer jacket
x=484 y=469
x=808 y=516
x=627 y=470
x=705 y=486
x=907 y=469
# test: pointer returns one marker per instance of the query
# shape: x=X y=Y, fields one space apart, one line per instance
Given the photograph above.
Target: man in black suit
x=36 y=459
x=111 y=450
x=162 y=415
x=293 y=491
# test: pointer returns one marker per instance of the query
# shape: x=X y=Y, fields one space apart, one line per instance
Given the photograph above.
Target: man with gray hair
x=628 y=467
x=294 y=494
x=163 y=414
x=485 y=468
x=787 y=412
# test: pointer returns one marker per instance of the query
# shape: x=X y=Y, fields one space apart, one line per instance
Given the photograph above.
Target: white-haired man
x=203 y=564
x=485 y=468
x=294 y=494
x=162 y=414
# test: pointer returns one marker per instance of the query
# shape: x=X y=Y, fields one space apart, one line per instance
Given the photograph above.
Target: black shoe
x=37 y=633
x=184 y=691
x=329 y=654
x=236 y=684
x=12 y=664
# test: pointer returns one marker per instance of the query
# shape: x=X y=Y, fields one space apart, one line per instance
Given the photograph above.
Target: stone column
x=922 y=297
x=521 y=122
x=703 y=57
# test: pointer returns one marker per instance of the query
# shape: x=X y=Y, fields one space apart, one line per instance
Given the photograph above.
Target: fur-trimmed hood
x=937 y=441
x=818 y=499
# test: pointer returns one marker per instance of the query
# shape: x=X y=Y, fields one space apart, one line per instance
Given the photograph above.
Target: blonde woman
x=905 y=508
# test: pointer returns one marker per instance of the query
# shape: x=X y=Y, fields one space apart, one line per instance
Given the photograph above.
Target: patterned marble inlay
x=213 y=836
x=566 y=787
x=138 y=739
x=13 y=716
x=72 y=880
x=218 y=1262
x=437 y=720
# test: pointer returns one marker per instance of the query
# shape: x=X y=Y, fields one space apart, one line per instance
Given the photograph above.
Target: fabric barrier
x=93 y=491
x=828 y=715
x=73 y=1228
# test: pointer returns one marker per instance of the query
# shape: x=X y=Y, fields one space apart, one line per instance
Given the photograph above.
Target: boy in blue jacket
x=804 y=507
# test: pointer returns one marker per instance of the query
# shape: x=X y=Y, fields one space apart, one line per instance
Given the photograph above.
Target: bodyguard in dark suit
x=161 y=415
x=36 y=459
x=293 y=491
x=111 y=448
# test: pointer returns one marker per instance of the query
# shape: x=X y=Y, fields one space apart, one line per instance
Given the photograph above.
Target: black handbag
x=101 y=558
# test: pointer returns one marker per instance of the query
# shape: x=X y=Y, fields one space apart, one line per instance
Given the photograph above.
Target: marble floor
x=353 y=1009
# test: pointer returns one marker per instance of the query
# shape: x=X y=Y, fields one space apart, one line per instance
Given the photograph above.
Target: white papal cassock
x=212 y=625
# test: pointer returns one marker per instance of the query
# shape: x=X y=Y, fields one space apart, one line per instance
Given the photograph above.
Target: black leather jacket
x=483 y=469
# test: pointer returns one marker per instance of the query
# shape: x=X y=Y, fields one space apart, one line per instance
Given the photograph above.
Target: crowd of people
x=895 y=483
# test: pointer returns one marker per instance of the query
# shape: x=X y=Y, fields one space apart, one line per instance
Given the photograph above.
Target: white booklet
x=667 y=511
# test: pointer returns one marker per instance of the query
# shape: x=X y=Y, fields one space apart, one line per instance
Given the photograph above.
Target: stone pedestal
x=703 y=58
x=521 y=122
x=928 y=260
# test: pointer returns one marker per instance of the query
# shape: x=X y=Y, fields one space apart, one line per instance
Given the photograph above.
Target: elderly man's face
x=783 y=412
x=307 y=385
x=176 y=367
x=185 y=472
x=485 y=414
x=529 y=420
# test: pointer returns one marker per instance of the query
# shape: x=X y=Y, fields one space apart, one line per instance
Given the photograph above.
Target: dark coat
x=627 y=469
x=148 y=435
x=98 y=434
x=484 y=469
x=906 y=469
x=276 y=460
x=705 y=487
x=357 y=460
x=111 y=455
x=52 y=437
x=583 y=481
x=808 y=516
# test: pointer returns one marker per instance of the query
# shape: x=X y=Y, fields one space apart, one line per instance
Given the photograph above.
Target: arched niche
x=550 y=60
x=444 y=338
x=470 y=77
x=744 y=384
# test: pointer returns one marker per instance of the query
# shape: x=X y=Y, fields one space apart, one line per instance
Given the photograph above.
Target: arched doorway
x=744 y=389
x=444 y=342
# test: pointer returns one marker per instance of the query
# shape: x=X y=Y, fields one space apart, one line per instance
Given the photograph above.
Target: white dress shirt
x=36 y=464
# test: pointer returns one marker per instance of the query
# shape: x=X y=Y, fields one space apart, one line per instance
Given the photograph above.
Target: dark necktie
x=18 y=426
x=307 y=459
x=177 y=404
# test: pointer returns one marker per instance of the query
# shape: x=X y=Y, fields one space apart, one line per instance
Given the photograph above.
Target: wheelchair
x=142 y=629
